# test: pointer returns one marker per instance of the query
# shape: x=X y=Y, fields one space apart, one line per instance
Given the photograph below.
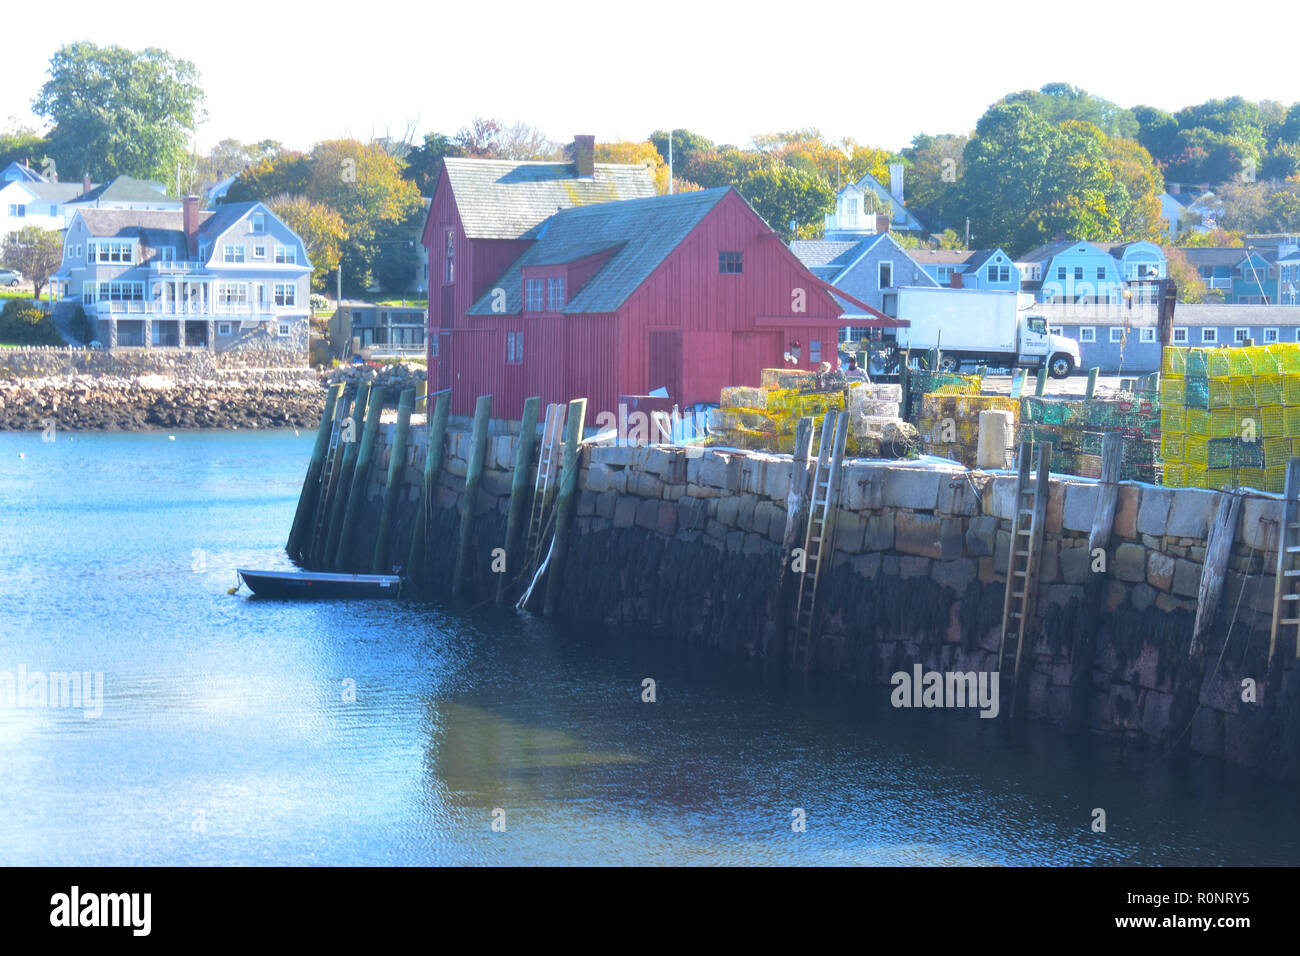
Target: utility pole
x=968 y=232
x=670 y=162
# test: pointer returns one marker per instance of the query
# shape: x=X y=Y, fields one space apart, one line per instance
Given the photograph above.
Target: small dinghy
x=320 y=584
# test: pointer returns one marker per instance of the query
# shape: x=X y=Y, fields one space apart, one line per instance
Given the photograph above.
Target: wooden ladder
x=819 y=535
x=1286 y=586
x=1034 y=470
x=544 y=485
x=328 y=473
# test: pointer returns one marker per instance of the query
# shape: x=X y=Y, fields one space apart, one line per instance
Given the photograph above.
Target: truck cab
x=1038 y=347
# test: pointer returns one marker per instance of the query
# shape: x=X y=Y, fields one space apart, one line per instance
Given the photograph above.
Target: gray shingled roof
x=822 y=253
x=1214 y=255
x=126 y=189
x=641 y=231
x=941 y=257
x=135 y=222
x=504 y=199
x=1043 y=253
x=54 y=192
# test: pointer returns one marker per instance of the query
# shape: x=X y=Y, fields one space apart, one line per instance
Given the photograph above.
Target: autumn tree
x=1133 y=168
x=35 y=252
x=117 y=111
x=321 y=229
x=1191 y=287
x=1218 y=238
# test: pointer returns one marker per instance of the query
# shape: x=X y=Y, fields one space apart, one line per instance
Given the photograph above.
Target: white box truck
x=982 y=327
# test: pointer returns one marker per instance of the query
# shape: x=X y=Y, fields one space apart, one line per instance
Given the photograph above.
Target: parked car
x=10 y=278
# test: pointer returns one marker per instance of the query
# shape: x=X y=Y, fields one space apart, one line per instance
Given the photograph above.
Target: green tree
x=781 y=194
x=35 y=252
x=1080 y=195
x=1156 y=131
x=1058 y=103
x=1218 y=238
x=933 y=180
x=685 y=145
x=115 y=111
x=20 y=144
x=22 y=322
x=424 y=162
x=1005 y=168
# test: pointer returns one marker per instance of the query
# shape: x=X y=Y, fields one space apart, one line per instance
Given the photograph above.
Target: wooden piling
x=381 y=563
x=566 y=503
x=309 y=498
x=1092 y=382
x=343 y=556
x=469 y=502
x=1217 y=549
x=519 y=488
x=1017 y=382
x=1040 y=387
x=1103 y=516
x=324 y=550
x=436 y=425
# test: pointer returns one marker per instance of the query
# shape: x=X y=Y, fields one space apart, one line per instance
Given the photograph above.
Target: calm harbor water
x=227 y=735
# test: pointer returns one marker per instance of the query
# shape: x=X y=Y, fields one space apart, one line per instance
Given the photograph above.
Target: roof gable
x=128 y=189
x=642 y=232
x=505 y=199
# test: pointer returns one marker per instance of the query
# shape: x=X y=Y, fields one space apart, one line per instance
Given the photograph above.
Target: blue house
x=1262 y=274
x=871 y=270
x=1086 y=273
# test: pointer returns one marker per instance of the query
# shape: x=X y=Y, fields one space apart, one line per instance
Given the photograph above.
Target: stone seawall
x=129 y=362
x=691 y=547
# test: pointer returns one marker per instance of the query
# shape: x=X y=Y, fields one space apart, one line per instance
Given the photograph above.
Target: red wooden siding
x=689 y=293
x=688 y=326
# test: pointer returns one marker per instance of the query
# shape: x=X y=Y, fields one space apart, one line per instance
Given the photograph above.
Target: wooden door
x=665 y=358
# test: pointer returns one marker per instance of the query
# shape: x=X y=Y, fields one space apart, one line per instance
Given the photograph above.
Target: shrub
x=22 y=322
x=319 y=303
x=82 y=327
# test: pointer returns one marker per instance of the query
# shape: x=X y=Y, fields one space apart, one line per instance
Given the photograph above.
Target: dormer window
x=555 y=294
x=533 y=295
x=257 y=222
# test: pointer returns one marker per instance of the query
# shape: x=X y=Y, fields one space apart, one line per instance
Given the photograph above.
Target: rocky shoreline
x=232 y=398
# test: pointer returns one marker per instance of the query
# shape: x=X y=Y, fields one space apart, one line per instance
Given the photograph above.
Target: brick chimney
x=584 y=156
x=85 y=183
x=191 y=220
x=882 y=222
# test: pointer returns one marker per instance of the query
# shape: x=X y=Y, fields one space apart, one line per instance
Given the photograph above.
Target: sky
x=300 y=73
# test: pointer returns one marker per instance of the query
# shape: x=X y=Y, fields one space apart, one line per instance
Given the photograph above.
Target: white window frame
x=257 y=222
x=232 y=293
x=1239 y=335
x=1209 y=335
x=555 y=294
x=223 y=328
x=1116 y=334
x=233 y=254
x=1087 y=334
x=286 y=294
x=286 y=255
x=534 y=295
x=1272 y=336
x=1180 y=335
x=880 y=271
x=1147 y=334
x=259 y=250
x=285 y=329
